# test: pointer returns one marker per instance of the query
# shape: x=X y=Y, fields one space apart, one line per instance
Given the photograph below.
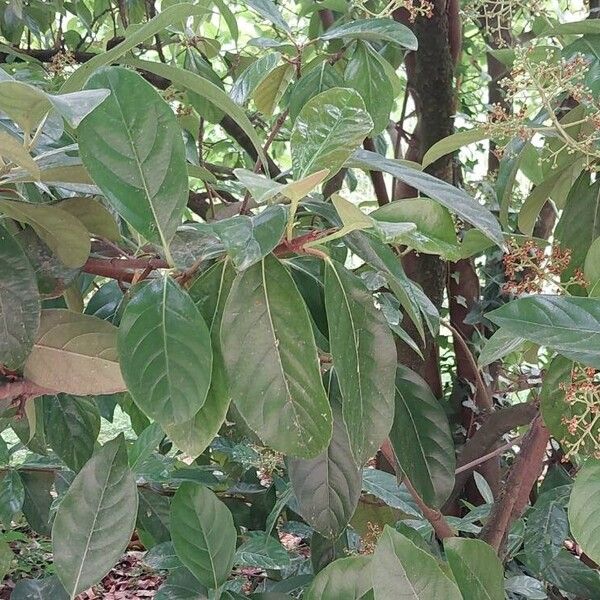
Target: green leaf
x=364 y=356
x=591 y=265
x=38 y=499
x=454 y=199
x=374 y=30
x=328 y=486
x=267 y=10
x=209 y=91
x=154 y=515
x=252 y=76
x=12 y=149
x=181 y=585
x=72 y=428
x=271 y=361
x=95 y=519
x=48 y=588
x=570 y=574
x=64 y=234
x=169 y=16
x=329 y=128
x=12 y=496
x=6 y=557
x=19 y=302
x=569 y=325
x=319 y=79
x=421 y=438
x=262 y=551
x=133 y=149
x=145 y=444
x=451 y=143
x=583 y=509
x=385 y=487
x=162 y=557
x=165 y=352
x=400 y=565
x=366 y=74
x=344 y=579
x=476 y=568
x=75 y=354
x=501 y=343
x=271 y=89
x=203 y=534
x=95 y=217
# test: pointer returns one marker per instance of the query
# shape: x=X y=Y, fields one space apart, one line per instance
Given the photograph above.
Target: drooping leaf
x=328 y=486
x=133 y=149
x=583 y=509
x=364 y=357
x=453 y=142
x=476 y=568
x=344 y=579
x=252 y=76
x=454 y=199
x=572 y=575
x=271 y=361
x=272 y=88
x=498 y=346
x=64 y=234
x=262 y=551
x=75 y=354
x=181 y=585
x=154 y=515
x=203 y=534
x=38 y=499
x=385 y=486
x=145 y=445
x=329 y=128
x=366 y=74
x=165 y=352
x=269 y=11
x=72 y=428
x=94 y=216
x=569 y=325
x=19 y=302
x=400 y=565
x=374 y=30
x=95 y=519
x=12 y=496
x=12 y=149
x=421 y=438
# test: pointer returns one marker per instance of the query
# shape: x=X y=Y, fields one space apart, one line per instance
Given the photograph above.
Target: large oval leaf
x=343 y=579
x=374 y=30
x=583 y=509
x=364 y=357
x=19 y=302
x=133 y=148
x=165 y=352
x=272 y=363
x=328 y=486
x=203 y=534
x=400 y=565
x=476 y=568
x=421 y=438
x=569 y=325
x=75 y=354
x=95 y=519
x=328 y=129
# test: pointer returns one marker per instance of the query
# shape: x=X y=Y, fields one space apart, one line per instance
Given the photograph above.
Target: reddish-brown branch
x=377 y=177
x=20 y=390
x=521 y=479
x=122 y=269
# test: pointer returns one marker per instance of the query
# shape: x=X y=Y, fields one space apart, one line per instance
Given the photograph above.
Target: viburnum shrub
x=302 y=299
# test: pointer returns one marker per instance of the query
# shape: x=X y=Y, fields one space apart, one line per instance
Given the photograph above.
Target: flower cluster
x=582 y=418
x=61 y=61
x=529 y=269
x=369 y=540
x=415 y=8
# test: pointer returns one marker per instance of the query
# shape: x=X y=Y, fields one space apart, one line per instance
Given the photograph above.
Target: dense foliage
x=359 y=351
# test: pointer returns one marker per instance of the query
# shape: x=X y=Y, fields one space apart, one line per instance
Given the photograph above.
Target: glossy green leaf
x=252 y=76
x=38 y=499
x=583 y=509
x=165 y=352
x=364 y=357
x=319 y=79
x=400 y=565
x=452 y=143
x=95 y=519
x=572 y=575
x=12 y=496
x=262 y=551
x=476 y=568
x=203 y=534
x=154 y=515
x=366 y=74
x=75 y=354
x=19 y=302
x=454 y=199
x=95 y=217
x=421 y=438
x=48 y=588
x=569 y=325
x=329 y=128
x=344 y=579
x=269 y=11
x=385 y=486
x=145 y=444
x=501 y=343
x=271 y=361
x=272 y=88
x=64 y=234
x=327 y=487
x=133 y=149
x=72 y=428
x=374 y=30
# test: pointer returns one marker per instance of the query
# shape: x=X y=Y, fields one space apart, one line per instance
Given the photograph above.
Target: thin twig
x=474 y=463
